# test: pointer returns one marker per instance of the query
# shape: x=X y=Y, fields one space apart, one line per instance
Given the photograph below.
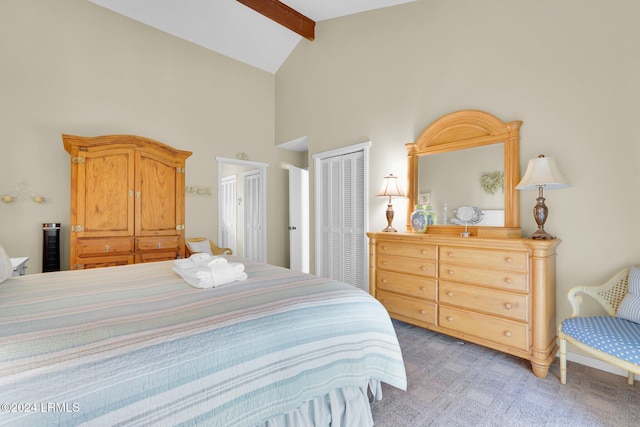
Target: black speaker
x=50 y=247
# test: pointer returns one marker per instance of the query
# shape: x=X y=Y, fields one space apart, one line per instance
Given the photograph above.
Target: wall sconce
x=22 y=193
x=390 y=188
x=541 y=173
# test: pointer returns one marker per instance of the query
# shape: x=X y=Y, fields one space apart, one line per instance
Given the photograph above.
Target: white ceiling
x=232 y=29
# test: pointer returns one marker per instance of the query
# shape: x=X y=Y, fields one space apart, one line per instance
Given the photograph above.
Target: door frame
x=262 y=168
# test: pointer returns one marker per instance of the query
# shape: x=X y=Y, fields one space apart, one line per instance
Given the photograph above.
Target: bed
x=136 y=345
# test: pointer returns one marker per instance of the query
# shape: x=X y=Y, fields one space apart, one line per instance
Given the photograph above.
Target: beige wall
x=568 y=69
x=71 y=66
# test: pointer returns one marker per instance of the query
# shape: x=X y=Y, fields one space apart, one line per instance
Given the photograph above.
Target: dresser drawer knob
x=423 y=268
x=385 y=248
x=507 y=334
x=508 y=280
x=106 y=248
x=423 y=252
x=423 y=289
x=384 y=281
x=508 y=305
x=450 y=254
x=449 y=294
x=159 y=245
x=449 y=319
x=508 y=260
x=450 y=272
x=383 y=262
x=423 y=311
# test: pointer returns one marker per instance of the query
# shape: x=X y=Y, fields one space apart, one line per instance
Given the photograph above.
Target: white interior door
x=341 y=215
x=253 y=214
x=298 y=219
x=227 y=237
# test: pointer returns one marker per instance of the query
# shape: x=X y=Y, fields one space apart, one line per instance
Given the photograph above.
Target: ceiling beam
x=283 y=15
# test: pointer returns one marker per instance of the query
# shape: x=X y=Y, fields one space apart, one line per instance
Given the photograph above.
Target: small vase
x=419 y=219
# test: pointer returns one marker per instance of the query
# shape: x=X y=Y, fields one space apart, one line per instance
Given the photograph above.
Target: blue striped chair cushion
x=630 y=306
x=612 y=335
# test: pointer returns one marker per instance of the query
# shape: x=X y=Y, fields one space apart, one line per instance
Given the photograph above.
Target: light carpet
x=456 y=383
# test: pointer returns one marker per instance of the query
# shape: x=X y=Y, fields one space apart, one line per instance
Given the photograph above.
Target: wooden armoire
x=127 y=200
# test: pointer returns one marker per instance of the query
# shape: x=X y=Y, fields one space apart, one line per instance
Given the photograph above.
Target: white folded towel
x=206 y=271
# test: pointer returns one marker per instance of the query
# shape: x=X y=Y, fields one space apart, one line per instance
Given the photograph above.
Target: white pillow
x=630 y=306
x=6 y=269
x=200 y=247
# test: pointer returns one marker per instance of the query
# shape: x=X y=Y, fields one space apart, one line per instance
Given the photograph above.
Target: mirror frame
x=468 y=129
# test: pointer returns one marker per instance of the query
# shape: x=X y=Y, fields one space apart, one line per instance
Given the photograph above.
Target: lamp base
x=541 y=235
x=390 y=229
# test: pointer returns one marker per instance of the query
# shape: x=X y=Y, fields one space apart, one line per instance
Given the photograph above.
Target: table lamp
x=390 y=188
x=542 y=173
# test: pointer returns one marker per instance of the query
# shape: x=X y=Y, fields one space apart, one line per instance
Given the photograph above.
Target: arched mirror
x=467 y=158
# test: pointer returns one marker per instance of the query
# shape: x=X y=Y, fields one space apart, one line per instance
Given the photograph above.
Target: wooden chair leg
x=563 y=361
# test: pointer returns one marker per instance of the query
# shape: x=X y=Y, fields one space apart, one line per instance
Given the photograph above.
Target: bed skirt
x=343 y=407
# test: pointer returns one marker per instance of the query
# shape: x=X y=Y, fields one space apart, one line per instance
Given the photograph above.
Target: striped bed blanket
x=136 y=345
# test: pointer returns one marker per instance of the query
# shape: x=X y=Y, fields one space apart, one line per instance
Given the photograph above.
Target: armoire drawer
x=419 y=267
x=421 y=310
x=157 y=243
x=505 y=304
x=507 y=260
x=103 y=246
x=402 y=249
x=419 y=287
x=501 y=331
x=498 y=279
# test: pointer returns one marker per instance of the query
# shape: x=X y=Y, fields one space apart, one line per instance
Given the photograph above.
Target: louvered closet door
x=343 y=219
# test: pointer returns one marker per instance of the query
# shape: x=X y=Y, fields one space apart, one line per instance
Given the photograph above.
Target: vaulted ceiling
x=231 y=28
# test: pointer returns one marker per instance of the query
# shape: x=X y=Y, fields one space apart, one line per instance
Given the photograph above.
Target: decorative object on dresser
x=542 y=173
x=391 y=189
x=127 y=200
x=490 y=287
x=614 y=338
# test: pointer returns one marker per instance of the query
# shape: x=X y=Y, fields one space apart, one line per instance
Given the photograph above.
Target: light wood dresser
x=499 y=293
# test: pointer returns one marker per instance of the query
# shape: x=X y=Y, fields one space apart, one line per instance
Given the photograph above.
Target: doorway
x=247 y=203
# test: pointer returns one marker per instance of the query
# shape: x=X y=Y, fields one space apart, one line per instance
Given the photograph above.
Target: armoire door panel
x=156 y=196
x=106 y=203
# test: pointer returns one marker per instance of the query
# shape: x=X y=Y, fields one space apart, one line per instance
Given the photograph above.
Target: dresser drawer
x=415 y=266
x=507 y=260
x=502 y=331
x=506 y=304
x=157 y=243
x=509 y=280
x=409 y=307
x=102 y=246
x=405 y=284
x=404 y=249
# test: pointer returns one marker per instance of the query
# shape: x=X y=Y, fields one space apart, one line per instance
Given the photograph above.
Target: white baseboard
x=595 y=363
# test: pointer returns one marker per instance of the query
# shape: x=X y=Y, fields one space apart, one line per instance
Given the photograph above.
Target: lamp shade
x=391 y=188
x=542 y=171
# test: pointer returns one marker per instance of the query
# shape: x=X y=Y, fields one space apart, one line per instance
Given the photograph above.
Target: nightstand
x=19 y=266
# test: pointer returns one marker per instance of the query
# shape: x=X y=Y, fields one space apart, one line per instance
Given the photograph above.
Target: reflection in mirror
x=241 y=207
x=454 y=178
